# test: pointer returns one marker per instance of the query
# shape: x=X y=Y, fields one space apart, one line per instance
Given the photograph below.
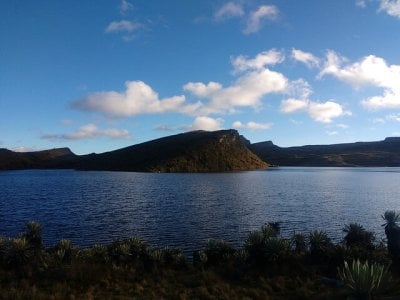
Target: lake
x=184 y=210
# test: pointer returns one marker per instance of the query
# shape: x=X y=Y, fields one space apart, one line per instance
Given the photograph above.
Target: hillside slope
x=196 y=151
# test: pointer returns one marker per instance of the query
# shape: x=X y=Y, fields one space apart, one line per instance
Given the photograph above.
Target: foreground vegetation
x=267 y=266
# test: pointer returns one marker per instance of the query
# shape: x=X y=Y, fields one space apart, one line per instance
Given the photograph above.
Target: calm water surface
x=185 y=210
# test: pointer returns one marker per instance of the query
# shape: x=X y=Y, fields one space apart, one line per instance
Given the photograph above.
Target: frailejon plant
x=392 y=231
x=263 y=246
x=365 y=280
x=298 y=243
x=358 y=236
x=320 y=243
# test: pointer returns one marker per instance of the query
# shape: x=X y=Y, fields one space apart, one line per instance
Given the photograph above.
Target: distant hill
x=384 y=153
x=47 y=159
x=197 y=151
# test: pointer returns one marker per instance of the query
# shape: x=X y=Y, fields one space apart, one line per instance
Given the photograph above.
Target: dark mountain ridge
x=384 y=153
x=58 y=158
x=204 y=151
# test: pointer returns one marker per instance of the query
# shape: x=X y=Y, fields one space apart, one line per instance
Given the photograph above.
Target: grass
x=267 y=266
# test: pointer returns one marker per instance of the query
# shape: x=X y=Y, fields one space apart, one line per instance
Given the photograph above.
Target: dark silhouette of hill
x=384 y=153
x=48 y=159
x=196 y=151
x=204 y=151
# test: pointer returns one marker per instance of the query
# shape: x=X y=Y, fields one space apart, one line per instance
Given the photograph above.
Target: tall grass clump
x=365 y=280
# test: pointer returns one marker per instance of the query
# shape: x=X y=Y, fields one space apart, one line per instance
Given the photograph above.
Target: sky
x=96 y=76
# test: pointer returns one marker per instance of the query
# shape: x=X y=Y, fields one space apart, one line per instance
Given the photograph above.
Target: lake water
x=184 y=210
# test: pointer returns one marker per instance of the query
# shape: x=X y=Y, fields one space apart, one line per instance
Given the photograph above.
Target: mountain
x=204 y=151
x=384 y=153
x=197 y=151
x=48 y=159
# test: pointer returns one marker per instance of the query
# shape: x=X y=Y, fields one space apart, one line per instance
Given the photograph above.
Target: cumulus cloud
x=391 y=7
x=251 y=125
x=370 y=70
x=138 y=98
x=206 y=123
x=255 y=19
x=202 y=90
x=271 y=57
x=305 y=57
x=122 y=26
x=90 y=131
x=229 y=10
x=323 y=112
x=247 y=91
x=251 y=86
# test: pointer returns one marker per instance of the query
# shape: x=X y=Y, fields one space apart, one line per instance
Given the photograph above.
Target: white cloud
x=370 y=70
x=305 y=57
x=271 y=57
x=229 y=10
x=89 y=131
x=122 y=26
x=139 y=98
x=292 y=105
x=391 y=7
x=202 y=90
x=206 y=123
x=323 y=112
x=248 y=90
x=256 y=17
x=251 y=125
x=125 y=6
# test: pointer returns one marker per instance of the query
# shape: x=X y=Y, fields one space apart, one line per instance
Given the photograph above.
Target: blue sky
x=100 y=75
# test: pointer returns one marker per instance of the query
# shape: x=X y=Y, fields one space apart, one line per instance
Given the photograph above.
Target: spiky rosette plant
x=358 y=236
x=365 y=280
x=392 y=231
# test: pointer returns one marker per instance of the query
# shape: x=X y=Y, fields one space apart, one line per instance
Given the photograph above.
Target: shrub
x=218 y=252
x=358 y=236
x=365 y=280
x=320 y=243
x=392 y=231
x=263 y=246
x=298 y=242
